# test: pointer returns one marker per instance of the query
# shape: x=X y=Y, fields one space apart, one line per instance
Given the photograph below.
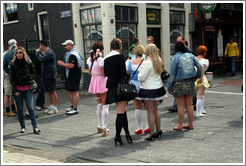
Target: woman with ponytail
x=98 y=86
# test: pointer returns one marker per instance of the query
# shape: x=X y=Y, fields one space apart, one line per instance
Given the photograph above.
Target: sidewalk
x=216 y=138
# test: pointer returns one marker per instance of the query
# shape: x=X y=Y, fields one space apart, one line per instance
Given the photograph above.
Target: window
x=30 y=6
x=177 y=24
x=10 y=12
x=176 y=5
x=126 y=26
x=154 y=4
x=92 y=29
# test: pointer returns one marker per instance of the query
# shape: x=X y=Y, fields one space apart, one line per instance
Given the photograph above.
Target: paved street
x=216 y=138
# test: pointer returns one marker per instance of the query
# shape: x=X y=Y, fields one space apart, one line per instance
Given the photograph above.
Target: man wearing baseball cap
x=72 y=63
x=8 y=57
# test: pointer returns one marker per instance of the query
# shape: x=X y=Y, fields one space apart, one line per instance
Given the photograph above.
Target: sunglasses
x=19 y=52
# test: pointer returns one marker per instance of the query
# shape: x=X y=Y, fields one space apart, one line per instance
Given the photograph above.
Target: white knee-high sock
x=198 y=105
x=138 y=117
x=99 y=114
x=146 y=119
x=105 y=115
x=203 y=99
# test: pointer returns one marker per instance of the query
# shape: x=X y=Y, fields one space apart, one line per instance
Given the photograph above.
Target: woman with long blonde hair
x=152 y=91
x=132 y=68
x=20 y=76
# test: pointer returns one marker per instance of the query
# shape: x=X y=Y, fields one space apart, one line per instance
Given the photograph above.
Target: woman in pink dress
x=98 y=86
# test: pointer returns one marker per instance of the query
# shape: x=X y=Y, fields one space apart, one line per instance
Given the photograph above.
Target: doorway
x=43 y=26
x=156 y=33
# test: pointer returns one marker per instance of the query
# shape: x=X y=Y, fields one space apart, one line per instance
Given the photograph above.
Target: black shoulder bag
x=125 y=90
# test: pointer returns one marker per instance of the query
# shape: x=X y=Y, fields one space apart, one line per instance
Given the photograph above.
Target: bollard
x=209 y=76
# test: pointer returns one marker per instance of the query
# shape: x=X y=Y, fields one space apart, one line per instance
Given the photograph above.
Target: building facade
x=210 y=24
x=214 y=24
x=86 y=23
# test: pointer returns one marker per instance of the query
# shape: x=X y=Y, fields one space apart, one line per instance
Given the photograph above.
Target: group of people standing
x=19 y=73
x=143 y=69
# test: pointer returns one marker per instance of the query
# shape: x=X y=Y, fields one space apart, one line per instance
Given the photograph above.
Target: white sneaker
x=72 y=112
x=47 y=110
x=203 y=112
x=69 y=109
x=52 y=111
x=38 y=108
x=201 y=115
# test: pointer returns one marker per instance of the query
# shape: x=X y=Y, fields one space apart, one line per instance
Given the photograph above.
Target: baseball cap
x=68 y=42
x=12 y=42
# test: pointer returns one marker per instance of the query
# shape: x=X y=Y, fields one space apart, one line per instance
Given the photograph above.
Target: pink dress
x=98 y=80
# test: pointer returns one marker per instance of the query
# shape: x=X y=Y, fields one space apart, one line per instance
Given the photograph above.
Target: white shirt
x=148 y=77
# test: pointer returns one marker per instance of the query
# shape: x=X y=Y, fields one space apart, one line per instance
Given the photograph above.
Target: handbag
x=164 y=75
x=125 y=90
x=33 y=85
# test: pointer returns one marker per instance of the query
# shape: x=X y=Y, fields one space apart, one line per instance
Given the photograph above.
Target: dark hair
x=44 y=43
x=115 y=44
x=180 y=47
x=135 y=40
x=97 y=45
x=186 y=43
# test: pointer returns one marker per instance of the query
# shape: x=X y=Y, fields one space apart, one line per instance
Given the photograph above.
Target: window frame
x=128 y=23
x=30 y=8
x=176 y=24
x=5 y=15
x=89 y=24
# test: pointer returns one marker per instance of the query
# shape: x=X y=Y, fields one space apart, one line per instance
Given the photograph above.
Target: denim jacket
x=182 y=67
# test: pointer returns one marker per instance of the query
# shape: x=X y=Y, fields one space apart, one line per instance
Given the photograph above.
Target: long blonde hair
x=153 y=55
x=24 y=55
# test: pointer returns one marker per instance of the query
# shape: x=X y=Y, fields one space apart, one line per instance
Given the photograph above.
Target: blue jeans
x=233 y=65
x=194 y=102
x=41 y=91
x=26 y=95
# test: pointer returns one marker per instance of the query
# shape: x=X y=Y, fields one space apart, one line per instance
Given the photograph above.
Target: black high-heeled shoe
x=23 y=130
x=118 y=139
x=158 y=134
x=151 y=138
x=36 y=131
x=129 y=138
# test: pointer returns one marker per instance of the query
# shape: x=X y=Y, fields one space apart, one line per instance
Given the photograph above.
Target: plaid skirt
x=184 y=87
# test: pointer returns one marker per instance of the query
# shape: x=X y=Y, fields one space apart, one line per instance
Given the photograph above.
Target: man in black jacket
x=48 y=72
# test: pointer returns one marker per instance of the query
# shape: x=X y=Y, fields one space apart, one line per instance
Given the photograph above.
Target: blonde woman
x=131 y=67
x=151 y=89
x=20 y=74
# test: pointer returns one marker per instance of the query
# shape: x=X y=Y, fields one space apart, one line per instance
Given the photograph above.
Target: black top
x=115 y=70
x=75 y=72
x=20 y=73
x=37 y=64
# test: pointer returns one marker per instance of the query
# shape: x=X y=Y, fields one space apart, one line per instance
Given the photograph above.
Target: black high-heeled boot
x=125 y=126
x=128 y=138
x=118 y=124
x=118 y=139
